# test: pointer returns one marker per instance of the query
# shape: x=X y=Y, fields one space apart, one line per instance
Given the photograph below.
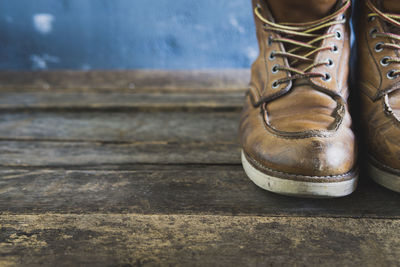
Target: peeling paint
x=43 y=23
x=40 y=62
x=87 y=35
x=235 y=23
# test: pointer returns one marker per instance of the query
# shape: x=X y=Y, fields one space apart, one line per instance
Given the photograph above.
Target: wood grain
x=196 y=240
x=81 y=101
x=133 y=168
x=154 y=189
x=123 y=90
x=50 y=153
x=172 y=126
x=132 y=81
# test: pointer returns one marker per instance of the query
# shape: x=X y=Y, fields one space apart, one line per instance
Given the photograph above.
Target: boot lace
x=394 y=21
x=305 y=38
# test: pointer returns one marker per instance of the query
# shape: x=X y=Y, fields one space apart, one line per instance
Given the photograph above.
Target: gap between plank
x=200 y=215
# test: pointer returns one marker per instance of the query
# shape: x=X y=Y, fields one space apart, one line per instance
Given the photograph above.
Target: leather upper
x=302 y=128
x=380 y=94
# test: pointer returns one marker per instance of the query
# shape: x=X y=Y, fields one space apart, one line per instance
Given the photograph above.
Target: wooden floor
x=142 y=168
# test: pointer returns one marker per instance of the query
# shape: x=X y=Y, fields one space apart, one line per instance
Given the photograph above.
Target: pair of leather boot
x=295 y=129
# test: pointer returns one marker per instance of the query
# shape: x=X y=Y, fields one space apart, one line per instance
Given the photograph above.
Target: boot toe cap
x=315 y=154
x=314 y=157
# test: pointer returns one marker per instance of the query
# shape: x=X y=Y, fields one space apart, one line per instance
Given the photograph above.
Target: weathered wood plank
x=120 y=101
x=187 y=240
x=117 y=138
x=117 y=157
x=33 y=153
x=133 y=80
x=219 y=190
x=120 y=126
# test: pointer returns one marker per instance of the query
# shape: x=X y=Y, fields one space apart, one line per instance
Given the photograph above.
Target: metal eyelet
x=272 y=55
x=372 y=32
x=335 y=49
x=371 y=19
x=390 y=75
x=343 y=16
x=275 y=84
x=275 y=69
x=384 y=61
x=327 y=77
x=378 y=47
x=330 y=63
x=338 y=35
x=269 y=40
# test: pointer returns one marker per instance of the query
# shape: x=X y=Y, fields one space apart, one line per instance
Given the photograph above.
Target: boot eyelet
x=384 y=61
x=334 y=49
x=272 y=55
x=343 y=16
x=372 y=32
x=378 y=47
x=391 y=75
x=330 y=63
x=269 y=40
x=327 y=77
x=371 y=19
x=338 y=35
x=275 y=84
x=275 y=69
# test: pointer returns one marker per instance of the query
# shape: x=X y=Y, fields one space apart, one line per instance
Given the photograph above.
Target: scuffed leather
x=382 y=132
x=261 y=75
x=302 y=128
x=379 y=100
x=312 y=153
x=372 y=74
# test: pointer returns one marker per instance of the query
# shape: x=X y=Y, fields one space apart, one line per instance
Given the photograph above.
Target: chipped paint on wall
x=40 y=62
x=43 y=23
x=126 y=34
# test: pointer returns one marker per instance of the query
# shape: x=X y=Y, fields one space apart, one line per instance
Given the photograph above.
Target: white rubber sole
x=386 y=179
x=298 y=188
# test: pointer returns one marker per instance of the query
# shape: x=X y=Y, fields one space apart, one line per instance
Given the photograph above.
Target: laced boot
x=295 y=127
x=378 y=71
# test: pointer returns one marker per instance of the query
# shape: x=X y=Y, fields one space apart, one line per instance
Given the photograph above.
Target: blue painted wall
x=126 y=34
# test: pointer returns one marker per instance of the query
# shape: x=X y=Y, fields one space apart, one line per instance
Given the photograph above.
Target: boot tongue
x=295 y=11
x=391 y=6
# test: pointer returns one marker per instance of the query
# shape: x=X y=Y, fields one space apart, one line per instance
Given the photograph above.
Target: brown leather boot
x=295 y=126
x=378 y=45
